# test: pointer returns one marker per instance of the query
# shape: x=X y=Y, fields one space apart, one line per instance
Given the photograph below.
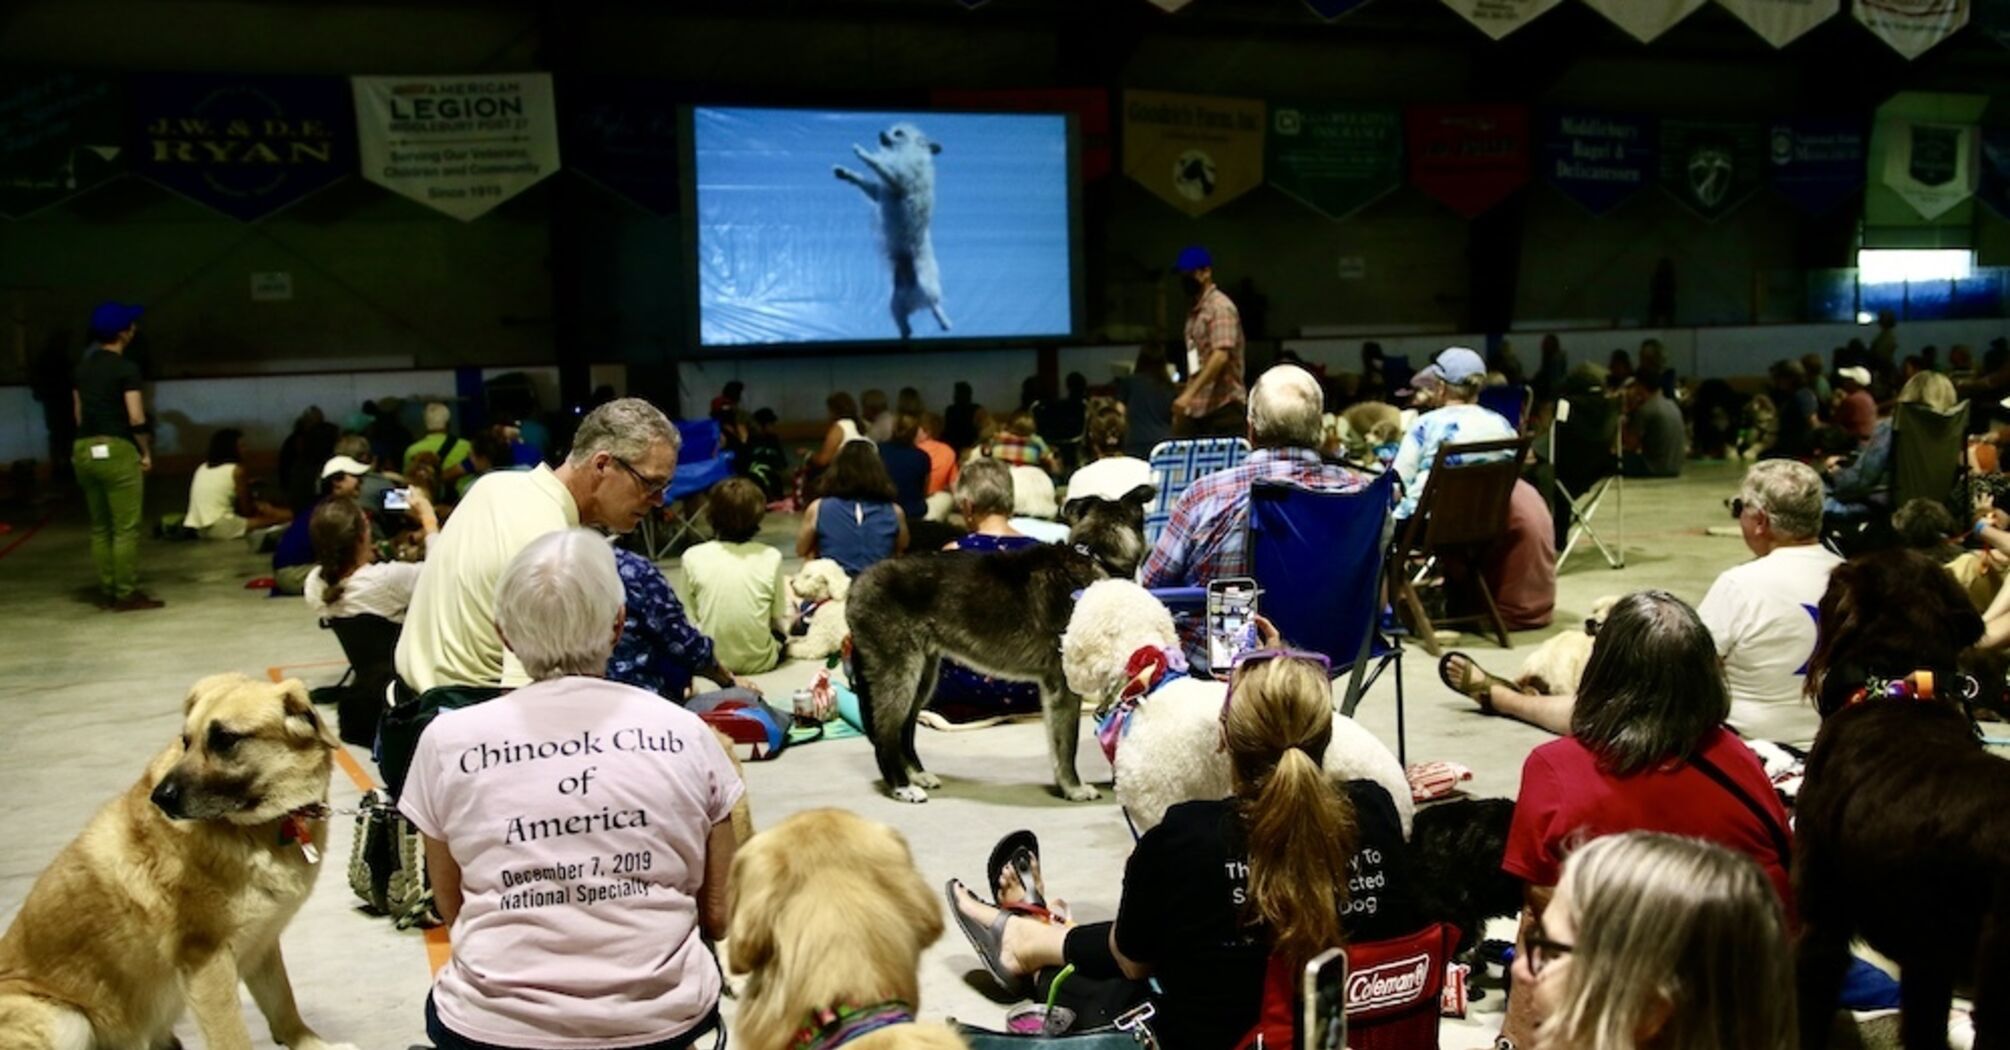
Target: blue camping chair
x=1178 y=464
x=1317 y=558
x=701 y=464
x=1510 y=402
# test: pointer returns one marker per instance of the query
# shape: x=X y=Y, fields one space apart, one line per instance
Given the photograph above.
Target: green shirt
x=736 y=592
x=433 y=443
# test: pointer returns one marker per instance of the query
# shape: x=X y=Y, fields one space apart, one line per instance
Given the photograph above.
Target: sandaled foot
x=1461 y=675
x=984 y=926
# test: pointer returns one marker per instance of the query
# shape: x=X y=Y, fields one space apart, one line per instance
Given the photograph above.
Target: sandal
x=988 y=940
x=1020 y=853
x=1476 y=683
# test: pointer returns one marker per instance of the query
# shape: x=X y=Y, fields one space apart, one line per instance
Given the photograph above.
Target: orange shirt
x=941 y=465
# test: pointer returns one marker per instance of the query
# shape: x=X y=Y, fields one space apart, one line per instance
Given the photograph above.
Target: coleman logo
x=1394 y=983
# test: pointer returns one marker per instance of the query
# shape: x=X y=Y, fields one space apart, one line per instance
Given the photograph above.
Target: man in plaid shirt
x=1213 y=403
x=1208 y=535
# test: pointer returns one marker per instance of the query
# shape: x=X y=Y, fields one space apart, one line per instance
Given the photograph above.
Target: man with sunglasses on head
x=623 y=457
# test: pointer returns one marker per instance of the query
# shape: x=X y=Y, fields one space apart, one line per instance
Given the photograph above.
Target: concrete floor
x=87 y=697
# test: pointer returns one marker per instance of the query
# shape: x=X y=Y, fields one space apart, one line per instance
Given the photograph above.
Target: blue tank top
x=856 y=535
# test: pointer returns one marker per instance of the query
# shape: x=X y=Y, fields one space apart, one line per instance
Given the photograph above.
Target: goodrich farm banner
x=60 y=134
x=1335 y=160
x=1712 y=166
x=1195 y=152
x=1597 y=159
x=1468 y=157
x=244 y=145
x=1817 y=162
x=1781 y=22
x=459 y=144
x=1912 y=27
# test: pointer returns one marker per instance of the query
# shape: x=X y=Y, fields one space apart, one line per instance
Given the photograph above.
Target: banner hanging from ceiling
x=1712 y=166
x=1781 y=22
x=1912 y=27
x=1195 y=152
x=1089 y=106
x=1645 y=20
x=459 y=144
x=1931 y=166
x=1335 y=160
x=1498 y=18
x=1332 y=9
x=1993 y=188
x=60 y=134
x=1993 y=18
x=1597 y=159
x=1818 y=162
x=1170 y=6
x=622 y=134
x=1469 y=157
x=247 y=146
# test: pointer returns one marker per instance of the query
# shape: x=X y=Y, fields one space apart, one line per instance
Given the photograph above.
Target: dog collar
x=295 y=829
x=1916 y=686
x=834 y=1026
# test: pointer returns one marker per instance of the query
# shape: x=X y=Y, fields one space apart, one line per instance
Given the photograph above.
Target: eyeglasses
x=1541 y=951
x=650 y=487
x=1737 y=505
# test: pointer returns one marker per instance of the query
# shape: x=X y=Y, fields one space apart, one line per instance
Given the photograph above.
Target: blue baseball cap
x=1193 y=257
x=1455 y=364
x=109 y=317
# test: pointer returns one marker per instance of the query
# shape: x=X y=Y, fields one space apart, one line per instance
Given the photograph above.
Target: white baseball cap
x=343 y=465
x=1856 y=374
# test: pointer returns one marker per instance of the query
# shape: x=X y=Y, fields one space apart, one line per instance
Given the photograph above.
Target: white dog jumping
x=905 y=193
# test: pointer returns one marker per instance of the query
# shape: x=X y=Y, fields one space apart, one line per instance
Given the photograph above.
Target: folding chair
x=370 y=643
x=1317 y=560
x=1510 y=402
x=1584 y=451
x=1393 y=988
x=701 y=464
x=1176 y=465
x=1928 y=452
x=1463 y=511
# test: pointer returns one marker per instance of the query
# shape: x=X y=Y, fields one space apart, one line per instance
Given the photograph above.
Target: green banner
x=1712 y=166
x=1335 y=160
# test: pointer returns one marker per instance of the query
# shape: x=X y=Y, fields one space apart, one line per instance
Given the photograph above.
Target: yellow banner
x=1196 y=152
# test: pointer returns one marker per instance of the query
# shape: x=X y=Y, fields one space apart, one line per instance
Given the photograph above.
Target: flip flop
x=1480 y=690
x=1003 y=854
x=988 y=940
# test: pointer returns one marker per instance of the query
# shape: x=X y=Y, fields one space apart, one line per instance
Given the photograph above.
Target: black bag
x=398 y=734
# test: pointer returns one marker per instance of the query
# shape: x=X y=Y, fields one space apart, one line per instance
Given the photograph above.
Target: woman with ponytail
x=1291 y=864
x=347 y=580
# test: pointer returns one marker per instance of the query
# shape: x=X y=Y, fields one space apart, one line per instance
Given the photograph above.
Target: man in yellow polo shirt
x=622 y=459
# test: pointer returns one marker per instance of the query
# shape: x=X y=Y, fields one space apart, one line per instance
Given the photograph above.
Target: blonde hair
x=1931 y=389
x=1301 y=828
x=1675 y=922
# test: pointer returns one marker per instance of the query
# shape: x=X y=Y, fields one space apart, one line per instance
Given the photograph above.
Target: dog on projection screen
x=904 y=189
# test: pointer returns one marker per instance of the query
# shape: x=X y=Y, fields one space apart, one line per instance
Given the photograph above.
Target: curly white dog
x=820 y=587
x=1171 y=753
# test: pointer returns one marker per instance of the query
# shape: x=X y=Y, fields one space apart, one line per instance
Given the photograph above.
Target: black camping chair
x=371 y=645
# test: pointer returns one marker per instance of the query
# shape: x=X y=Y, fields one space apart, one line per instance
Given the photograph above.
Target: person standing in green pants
x=113 y=453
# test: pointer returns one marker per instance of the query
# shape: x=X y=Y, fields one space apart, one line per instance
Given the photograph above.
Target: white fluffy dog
x=821 y=580
x=905 y=194
x=1172 y=752
x=1557 y=665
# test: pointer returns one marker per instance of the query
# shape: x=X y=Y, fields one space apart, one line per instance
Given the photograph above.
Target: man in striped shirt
x=1214 y=401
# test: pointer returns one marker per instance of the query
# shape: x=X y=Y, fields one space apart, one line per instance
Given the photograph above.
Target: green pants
x=114 y=489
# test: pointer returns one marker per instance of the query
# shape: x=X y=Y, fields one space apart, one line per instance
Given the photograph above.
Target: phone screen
x=1231 y=612
x=1324 y=1026
x=397 y=499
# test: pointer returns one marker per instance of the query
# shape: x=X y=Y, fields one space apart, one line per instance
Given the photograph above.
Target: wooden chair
x=1462 y=512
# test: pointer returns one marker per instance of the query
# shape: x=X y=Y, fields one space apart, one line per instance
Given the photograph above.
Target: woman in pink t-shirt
x=578 y=833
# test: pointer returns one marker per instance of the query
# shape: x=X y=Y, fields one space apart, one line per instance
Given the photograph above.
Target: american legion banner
x=1912 y=27
x=60 y=134
x=1817 y=162
x=459 y=144
x=1335 y=159
x=1498 y=18
x=244 y=145
x=1597 y=159
x=1781 y=22
x=1712 y=166
x=1195 y=152
x=1469 y=157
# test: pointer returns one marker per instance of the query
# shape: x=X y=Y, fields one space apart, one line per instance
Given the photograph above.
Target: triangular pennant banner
x=1195 y=152
x=1912 y=27
x=1468 y=157
x=1932 y=167
x=1597 y=159
x=1644 y=20
x=1170 y=6
x=1712 y=166
x=459 y=144
x=1498 y=18
x=1781 y=22
x=1817 y=162
x=1335 y=160
x=244 y=145
x=1332 y=9
x=60 y=134
x=1994 y=187
x=1993 y=18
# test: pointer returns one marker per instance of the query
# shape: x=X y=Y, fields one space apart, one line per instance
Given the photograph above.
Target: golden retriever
x=180 y=887
x=828 y=913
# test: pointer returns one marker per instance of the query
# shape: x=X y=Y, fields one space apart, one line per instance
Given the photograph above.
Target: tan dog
x=180 y=887
x=1558 y=663
x=828 y=913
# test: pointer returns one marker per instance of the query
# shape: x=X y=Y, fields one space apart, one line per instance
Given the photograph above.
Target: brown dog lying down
x=828 y=918
x=180 y=887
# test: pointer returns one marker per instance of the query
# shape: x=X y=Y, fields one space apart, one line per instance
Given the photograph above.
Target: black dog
x=1001 y=614
x=1455 y=857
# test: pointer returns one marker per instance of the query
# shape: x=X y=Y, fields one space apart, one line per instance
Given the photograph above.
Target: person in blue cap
x=1215 y=402
x=1457 y=375
x=112 y=454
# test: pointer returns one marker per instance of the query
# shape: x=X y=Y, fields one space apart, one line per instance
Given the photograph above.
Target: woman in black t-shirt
x=1291 y=864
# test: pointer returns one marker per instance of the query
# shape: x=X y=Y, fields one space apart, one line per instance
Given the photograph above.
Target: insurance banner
x=1335 y=160
x=459 y=144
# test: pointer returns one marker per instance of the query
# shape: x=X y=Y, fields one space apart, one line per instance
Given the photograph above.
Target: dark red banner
x=1470 y=157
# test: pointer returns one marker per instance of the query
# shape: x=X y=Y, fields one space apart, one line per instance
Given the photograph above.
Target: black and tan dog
x=179 y=888
x=1903 y=823
x=1000 y=614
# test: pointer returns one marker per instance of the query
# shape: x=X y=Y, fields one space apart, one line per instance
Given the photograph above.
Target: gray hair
x=1660 y=917
x=626 y=428
x=1287 y=409
x=557 y=604
x=438 y=415
x=985 y=484
x=1790 y=493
